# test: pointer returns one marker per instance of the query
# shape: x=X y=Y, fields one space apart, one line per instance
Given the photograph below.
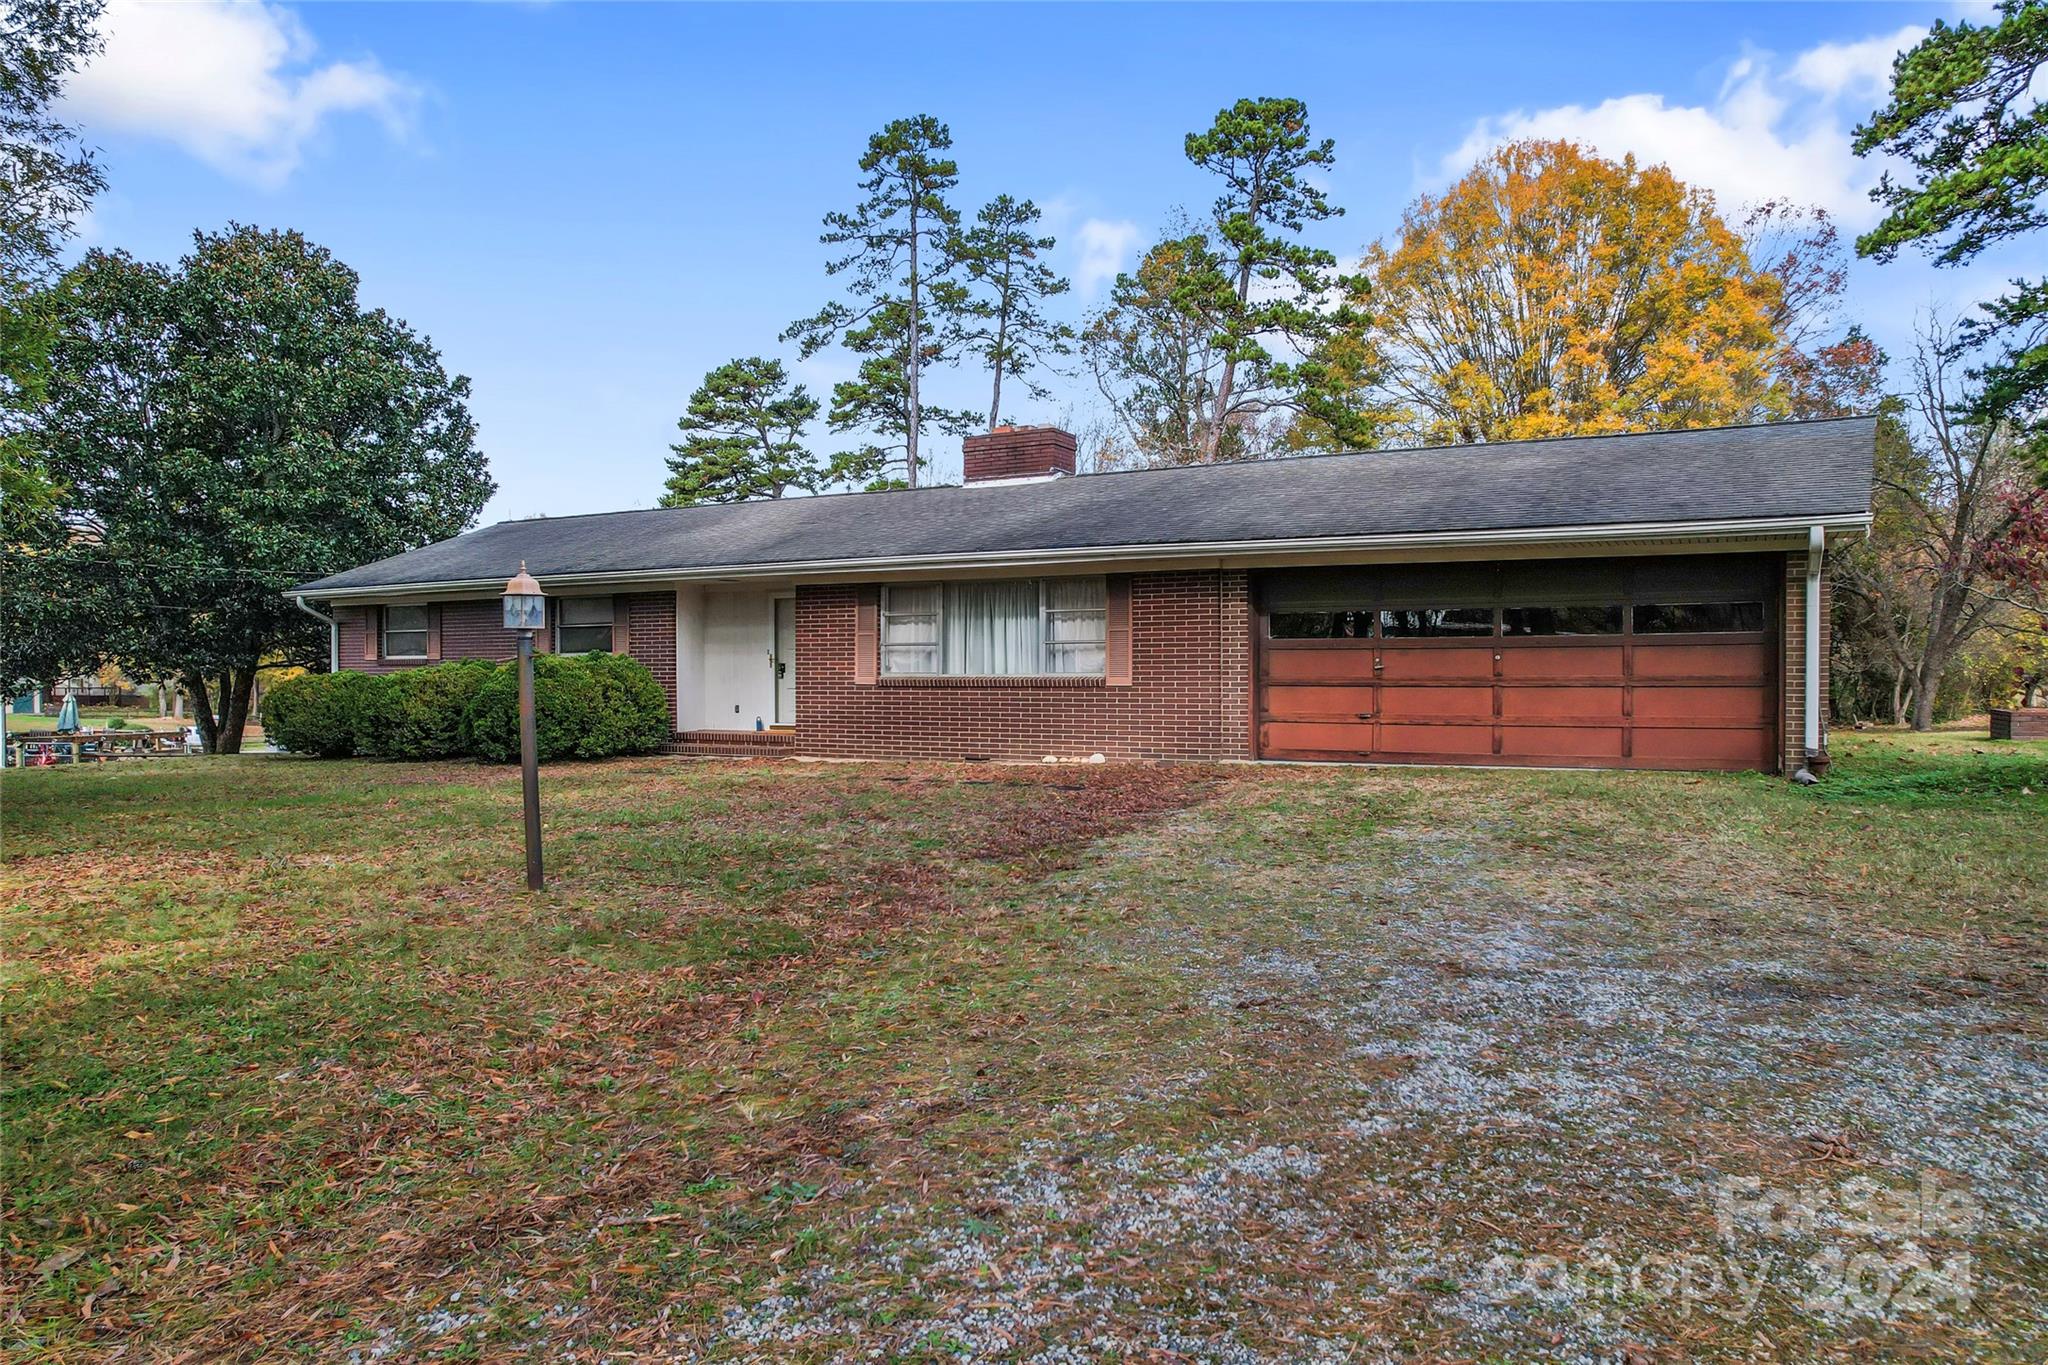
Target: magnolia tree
x=218 y=431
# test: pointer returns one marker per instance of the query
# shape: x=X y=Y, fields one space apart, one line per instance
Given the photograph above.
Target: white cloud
x=1772 y=132
x=1103 y=245
x=1862 y=70
x=234 y=84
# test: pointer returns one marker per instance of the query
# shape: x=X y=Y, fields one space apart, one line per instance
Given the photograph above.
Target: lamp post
x=526 y=610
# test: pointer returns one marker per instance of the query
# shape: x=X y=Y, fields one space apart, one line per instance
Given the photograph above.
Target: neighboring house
x=1617 y=601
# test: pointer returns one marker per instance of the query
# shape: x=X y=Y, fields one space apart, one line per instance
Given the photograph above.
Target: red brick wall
x=476 y=630
x=1792 y=662
x=469 y=630
x=1190 y=668
x=1016 y=452
x=651 y=638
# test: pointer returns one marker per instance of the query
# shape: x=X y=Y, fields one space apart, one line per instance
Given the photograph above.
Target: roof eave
x=1835 y=525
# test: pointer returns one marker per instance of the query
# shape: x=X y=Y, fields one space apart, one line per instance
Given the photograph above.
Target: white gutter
x=1848 y=524
x=1816 y=550
x=333 y=633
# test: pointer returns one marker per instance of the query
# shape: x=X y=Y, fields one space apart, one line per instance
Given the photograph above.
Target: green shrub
x=565 y=705
x=423 y=713
x=588 y=706
x=327 y=715
x=584 y=706
x=117 y=722
x=632 y=708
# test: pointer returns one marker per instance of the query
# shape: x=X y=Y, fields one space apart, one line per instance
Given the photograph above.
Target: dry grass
x=800 y=1062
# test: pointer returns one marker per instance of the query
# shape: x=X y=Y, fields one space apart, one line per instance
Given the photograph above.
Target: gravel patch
x=1497 y=1112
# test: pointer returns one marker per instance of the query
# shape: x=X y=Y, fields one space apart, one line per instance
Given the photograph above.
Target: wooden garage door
x=1665 y=663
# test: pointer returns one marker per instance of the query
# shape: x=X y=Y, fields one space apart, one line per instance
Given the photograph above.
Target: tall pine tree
x=878 y=401
x=897 y=259
x=1285 y=299
x=1003 y=257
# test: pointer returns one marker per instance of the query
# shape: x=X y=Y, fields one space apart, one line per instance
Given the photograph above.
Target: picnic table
x=40 y=748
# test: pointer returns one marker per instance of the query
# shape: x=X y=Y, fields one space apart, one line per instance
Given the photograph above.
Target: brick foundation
x=1188 y=697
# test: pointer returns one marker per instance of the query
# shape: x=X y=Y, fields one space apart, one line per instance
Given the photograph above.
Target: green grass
x=1947 y=767
x=293 y=1058
x=91 y=720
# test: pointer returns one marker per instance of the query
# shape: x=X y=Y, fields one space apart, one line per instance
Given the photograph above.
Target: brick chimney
x=1018 y=455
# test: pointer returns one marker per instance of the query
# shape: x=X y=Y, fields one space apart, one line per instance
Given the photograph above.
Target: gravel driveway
x=1451 y=1074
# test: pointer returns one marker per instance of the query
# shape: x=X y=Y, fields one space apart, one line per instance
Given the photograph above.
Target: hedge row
x=585 y=706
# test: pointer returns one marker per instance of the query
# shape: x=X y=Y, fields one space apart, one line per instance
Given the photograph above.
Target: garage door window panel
x=1435 y=623
x=1699 y=618
x=1355 y=624
x=1602 y=619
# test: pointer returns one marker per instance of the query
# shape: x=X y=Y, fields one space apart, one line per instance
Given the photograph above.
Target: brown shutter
x=1116 y=634
x=433 y=632
x=622 y=633
x=544 y=638
x=867 y=633
x=370 y=632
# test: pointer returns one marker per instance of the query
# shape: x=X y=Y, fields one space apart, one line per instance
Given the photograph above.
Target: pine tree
x=743 y=438
x=1002 y=256
x=1262 y=150
x=899 y=257
x=1967 y=114
x=879 y=401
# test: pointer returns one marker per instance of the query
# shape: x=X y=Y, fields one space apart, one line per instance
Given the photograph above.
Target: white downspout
x=333 y=634
x=1816 y=547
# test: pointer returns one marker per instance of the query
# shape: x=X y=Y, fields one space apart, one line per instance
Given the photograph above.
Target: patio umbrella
x=67 y=717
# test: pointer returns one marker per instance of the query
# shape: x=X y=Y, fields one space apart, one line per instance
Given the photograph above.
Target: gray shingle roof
x=1792 y=469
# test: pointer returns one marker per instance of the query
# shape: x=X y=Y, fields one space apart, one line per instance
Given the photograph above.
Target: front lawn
x=803 y=1061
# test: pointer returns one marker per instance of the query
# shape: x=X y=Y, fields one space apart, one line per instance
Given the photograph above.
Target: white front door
x=785 y=661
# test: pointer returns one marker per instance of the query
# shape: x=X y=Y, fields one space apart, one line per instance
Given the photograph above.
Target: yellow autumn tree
x=1552 y=292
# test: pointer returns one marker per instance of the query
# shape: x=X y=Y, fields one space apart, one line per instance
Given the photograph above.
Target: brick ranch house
x=1641 y=601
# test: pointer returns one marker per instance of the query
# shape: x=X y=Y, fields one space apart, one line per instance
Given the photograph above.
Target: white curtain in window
x=1075 y=625
x=910 y=630
x=992 y=628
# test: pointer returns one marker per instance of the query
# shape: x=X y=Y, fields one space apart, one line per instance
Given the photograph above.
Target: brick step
x=733 y=743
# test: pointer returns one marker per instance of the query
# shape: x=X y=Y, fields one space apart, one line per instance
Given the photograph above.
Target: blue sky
x=586 y=206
